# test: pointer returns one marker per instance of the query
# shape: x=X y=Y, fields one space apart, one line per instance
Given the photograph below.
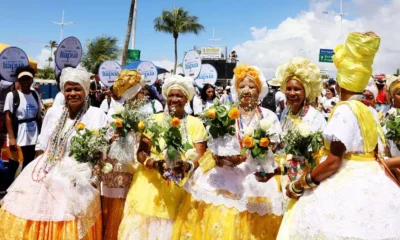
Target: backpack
x=16 y=122
x=109 y=102
x=269 y=101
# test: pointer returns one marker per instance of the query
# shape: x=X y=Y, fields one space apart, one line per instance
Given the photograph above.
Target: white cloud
x=309 y=31
x=164 y=62
x=42 y=58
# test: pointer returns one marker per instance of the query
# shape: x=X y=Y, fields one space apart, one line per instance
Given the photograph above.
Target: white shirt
x=59 y=101
x=148 y=107
x=104 y=104
x=198 y=105
x=279 y=96
x=28 y=108
x=327 y=105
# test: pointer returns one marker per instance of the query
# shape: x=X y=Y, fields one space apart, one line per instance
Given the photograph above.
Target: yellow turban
x=393 y=83
x=302 y=70
x=354 y=60
x=127 y=80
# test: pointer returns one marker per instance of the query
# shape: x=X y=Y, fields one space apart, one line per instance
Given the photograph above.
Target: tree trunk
x=128 y=33
x=176 y=51
x=51 y=50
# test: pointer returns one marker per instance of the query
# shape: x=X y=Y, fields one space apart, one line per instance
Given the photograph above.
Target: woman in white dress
x=348 y=196
x=329 y=101
x=227 y=202
x=152 y=105
x=54 y=197
x=205 y=100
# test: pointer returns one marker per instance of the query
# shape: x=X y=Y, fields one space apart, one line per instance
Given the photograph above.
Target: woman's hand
x=291 y=194
x=231 y=161
x=161 y=167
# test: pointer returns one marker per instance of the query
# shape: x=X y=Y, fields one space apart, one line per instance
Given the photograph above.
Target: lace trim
x=260 y=204
x=114 y=192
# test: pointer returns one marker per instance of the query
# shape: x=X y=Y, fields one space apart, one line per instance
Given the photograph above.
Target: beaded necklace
x=300 y=115
x=58 y=143
x=183 y=129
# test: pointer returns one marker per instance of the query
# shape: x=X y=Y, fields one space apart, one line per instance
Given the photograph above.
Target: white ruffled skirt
x=358 y=202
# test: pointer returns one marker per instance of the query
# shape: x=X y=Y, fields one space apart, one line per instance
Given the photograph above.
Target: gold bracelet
x=145 y=163
x=292 y=189
x=303 y=181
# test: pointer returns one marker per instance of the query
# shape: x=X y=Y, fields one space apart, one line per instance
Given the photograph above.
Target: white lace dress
x=236 y=187
x=358 y=202
x=65 y=194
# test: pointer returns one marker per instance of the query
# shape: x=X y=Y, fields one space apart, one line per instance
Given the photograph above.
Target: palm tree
x=128 y=32
x=98 y=50
x=178 y=21
x=52 y=44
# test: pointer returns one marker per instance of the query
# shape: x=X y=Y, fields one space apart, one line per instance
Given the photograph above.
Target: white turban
x=185 y=84
x=75 y=75
x=372 y=88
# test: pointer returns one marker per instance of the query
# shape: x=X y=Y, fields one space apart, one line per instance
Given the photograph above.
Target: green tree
x=46 y=73
x=178 y=21
x=128 y=32
x=52 y=44
x=98 y=50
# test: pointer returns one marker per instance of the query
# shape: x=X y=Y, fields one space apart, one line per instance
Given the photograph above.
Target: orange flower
x=118 y=122
x=264 y=142
x=175 y=122
x=141 y=125
x=211 y=113
x=234 y=113
x=248 y=142
x=80 y=126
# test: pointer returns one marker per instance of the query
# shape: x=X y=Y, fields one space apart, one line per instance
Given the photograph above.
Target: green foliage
x=46 y=73
x=393 y=127
x=87 y=145
x=221 y=124
x=130 y=117
x=98 y=50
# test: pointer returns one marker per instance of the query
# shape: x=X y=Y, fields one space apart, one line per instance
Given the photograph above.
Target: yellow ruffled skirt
x=198 y=220
x=14 y=228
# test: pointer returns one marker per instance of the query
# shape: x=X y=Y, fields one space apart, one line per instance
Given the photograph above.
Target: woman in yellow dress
x=152 y=202
x=348 y=196
x=54 y=196
x=227 y=201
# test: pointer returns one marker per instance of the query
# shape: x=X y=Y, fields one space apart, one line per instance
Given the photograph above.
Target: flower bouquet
x=257 y=143
x=220 y=121
x=89 y=146
x=128 y=117
x=300 y=144
x=392 y=125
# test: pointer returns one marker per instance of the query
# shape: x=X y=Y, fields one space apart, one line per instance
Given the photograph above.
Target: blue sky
x=28 y=22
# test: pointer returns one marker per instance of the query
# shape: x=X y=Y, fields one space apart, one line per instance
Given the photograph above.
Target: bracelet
x=310 y=182
x=145 y=163
x=191 y=167
x=303 y=181
x=295 y=191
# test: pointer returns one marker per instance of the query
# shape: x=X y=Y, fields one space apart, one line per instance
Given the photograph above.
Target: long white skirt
x=359 y=202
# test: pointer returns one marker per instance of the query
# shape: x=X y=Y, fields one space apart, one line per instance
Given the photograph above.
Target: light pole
x=134 y=25
x=62 y=24
x=341 y=14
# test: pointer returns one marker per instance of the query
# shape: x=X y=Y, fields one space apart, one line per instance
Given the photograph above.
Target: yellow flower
x=118 y=122
x=141 y=125
x=175 y=122
x=96 y=132
x=80 y=126
x=296 y=121
x=248 y=142
x=234 y=113
x=264 y=142
x=211 y=113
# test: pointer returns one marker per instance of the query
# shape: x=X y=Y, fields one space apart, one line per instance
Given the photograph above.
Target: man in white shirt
x=23 y=119
x=110 y=102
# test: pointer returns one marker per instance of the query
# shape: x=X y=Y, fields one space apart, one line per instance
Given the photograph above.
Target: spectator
x=110 y=102
x=152 y=105
x=207 y=99
x=96 y=96
x=370 y=94
x=381 y=99
x=275 y=99
x=329 y=101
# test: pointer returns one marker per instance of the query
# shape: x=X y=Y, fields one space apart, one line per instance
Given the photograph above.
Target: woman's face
x=369 y=98
x=329 y=94
x=176 y=100
x=143 y=93
x=210 y=93
x=396 y=98
x=74 y=95
x=295 y=94
x=248 y=92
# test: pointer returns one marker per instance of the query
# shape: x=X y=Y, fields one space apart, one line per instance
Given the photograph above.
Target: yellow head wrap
x=354 y=60
x=303 y=71
x=126 y=80
x=393 y=84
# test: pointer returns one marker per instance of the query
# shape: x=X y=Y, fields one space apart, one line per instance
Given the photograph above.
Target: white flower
x=119 y=109
x=107 y=168
x=266 y=125
x=289 y=157
x=191 y=154
x=304 y=129
x=393 y=112
x=248 y=132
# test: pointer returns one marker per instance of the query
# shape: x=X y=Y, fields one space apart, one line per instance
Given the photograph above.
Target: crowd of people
x=250 y=182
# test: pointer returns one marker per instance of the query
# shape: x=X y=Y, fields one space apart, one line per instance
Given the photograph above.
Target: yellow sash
x=367 y=157
x=368 y=125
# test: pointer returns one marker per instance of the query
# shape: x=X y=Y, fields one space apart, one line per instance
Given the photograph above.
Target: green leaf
x=171 y=153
